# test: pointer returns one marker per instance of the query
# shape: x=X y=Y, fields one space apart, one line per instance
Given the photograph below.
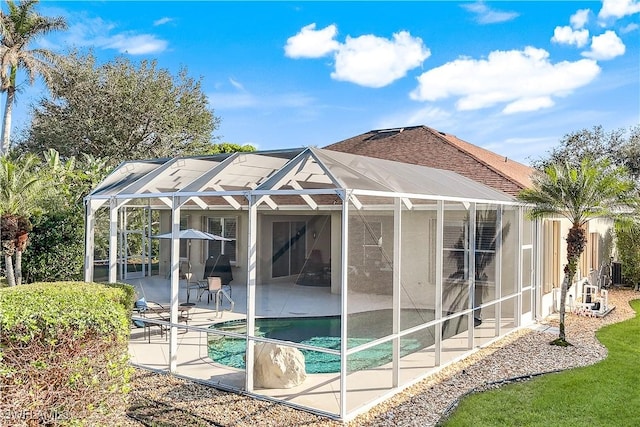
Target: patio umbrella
x=190 y=234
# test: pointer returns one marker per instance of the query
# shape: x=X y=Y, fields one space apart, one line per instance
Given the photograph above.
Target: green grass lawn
x=605 y=394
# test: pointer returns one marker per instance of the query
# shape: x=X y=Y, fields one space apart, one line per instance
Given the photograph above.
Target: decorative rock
x=277 y=366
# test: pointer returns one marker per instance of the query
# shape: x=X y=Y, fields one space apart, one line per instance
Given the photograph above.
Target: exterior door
x=288 y=248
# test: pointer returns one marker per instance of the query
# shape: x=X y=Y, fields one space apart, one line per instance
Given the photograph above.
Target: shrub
x=63 y=351
x=57 y=239
x=129 y=297
x=628 y=244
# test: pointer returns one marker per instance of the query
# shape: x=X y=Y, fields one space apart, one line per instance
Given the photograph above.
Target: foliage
x=20 y=27
x=74 y=178
x=129 y=293
x=56 y=247
x=617 y=147
x=605 y=394
x=119 y=111
x=227 y=147
x=21 y=188
x=31 y=186
x=590 y=190
x=63 y=350
x=628 y=244
x=20 y=185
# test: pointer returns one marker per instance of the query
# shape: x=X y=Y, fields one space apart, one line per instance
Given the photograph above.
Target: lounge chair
x=156 y=314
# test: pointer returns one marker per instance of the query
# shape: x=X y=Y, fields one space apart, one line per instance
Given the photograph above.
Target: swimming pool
x=325 y=332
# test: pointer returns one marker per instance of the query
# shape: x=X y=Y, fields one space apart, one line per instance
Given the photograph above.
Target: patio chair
x=216 y=291
x=219 y=266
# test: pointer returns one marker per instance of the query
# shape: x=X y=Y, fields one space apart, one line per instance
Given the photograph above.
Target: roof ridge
x=463 y=147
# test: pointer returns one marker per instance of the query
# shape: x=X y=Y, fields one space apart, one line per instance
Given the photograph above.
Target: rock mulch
x=164 y=400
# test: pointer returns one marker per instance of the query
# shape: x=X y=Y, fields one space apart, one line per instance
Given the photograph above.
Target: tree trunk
x=563 y=303
x=8 y=262
x=576 y=241
x=6 y=121
x=18 y=269
x=21 y=245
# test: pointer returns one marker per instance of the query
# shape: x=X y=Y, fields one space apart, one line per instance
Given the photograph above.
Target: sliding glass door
x=289 y=248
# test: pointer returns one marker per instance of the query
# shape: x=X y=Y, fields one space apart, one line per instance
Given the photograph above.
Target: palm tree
x=19 y=27
x=577 y=193
x=21 y=188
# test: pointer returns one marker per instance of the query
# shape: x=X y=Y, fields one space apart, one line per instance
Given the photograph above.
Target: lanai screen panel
x=418 y=288
x=175 y=175
x=368 y=173
x=418 y=262
x=242 y=171
x=370 y=299
x=124 y=175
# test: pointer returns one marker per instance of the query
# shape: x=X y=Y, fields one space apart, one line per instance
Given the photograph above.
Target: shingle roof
x=421 y=145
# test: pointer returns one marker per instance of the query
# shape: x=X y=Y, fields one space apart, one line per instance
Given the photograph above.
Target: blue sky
x=513 y=77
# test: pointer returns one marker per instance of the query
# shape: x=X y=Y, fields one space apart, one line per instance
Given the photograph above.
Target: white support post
x=147 y=237
x=439 y=265
x=175 y=277
x=113 y=240
x=89 y=240
x=472 y=274
x=498 y=273
x=397 y=305
x=251 y=290
x=344 y=312
x=537 y=262
x=518 y=308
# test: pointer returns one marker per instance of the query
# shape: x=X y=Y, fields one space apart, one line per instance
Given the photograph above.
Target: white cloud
x=236 y=84
x=605 y=46
x=95 y=32
x=486 y=15
x=523 y=80
x=375 y=61
x=529 y=104
x=162 y=21
x=366 y=60
x=629 y=28
x=618 y=8
x=566 y=35
x=579 y=19
x=136 y=44
x=312 y=43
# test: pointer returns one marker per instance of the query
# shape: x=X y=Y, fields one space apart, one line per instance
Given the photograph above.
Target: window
x=225 y=227
x=455 y=248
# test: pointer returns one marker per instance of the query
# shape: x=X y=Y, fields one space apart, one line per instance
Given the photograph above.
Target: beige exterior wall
x=198 y=220
x=599 y=247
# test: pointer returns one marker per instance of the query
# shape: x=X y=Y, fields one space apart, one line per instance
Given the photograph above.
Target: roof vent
x=384 y=133
x=442 y=133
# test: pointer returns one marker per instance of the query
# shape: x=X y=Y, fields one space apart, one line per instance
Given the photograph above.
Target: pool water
x=325 y=332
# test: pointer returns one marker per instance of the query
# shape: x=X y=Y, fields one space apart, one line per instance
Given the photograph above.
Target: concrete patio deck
x=320 y=391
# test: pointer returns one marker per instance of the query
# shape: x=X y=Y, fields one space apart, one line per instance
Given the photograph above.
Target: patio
x=319 y=391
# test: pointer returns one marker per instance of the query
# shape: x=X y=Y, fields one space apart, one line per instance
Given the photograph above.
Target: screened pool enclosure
x=377 y=273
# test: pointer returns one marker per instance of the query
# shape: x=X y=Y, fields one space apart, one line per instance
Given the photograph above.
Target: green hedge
x=56 y=248
x=64 y=350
